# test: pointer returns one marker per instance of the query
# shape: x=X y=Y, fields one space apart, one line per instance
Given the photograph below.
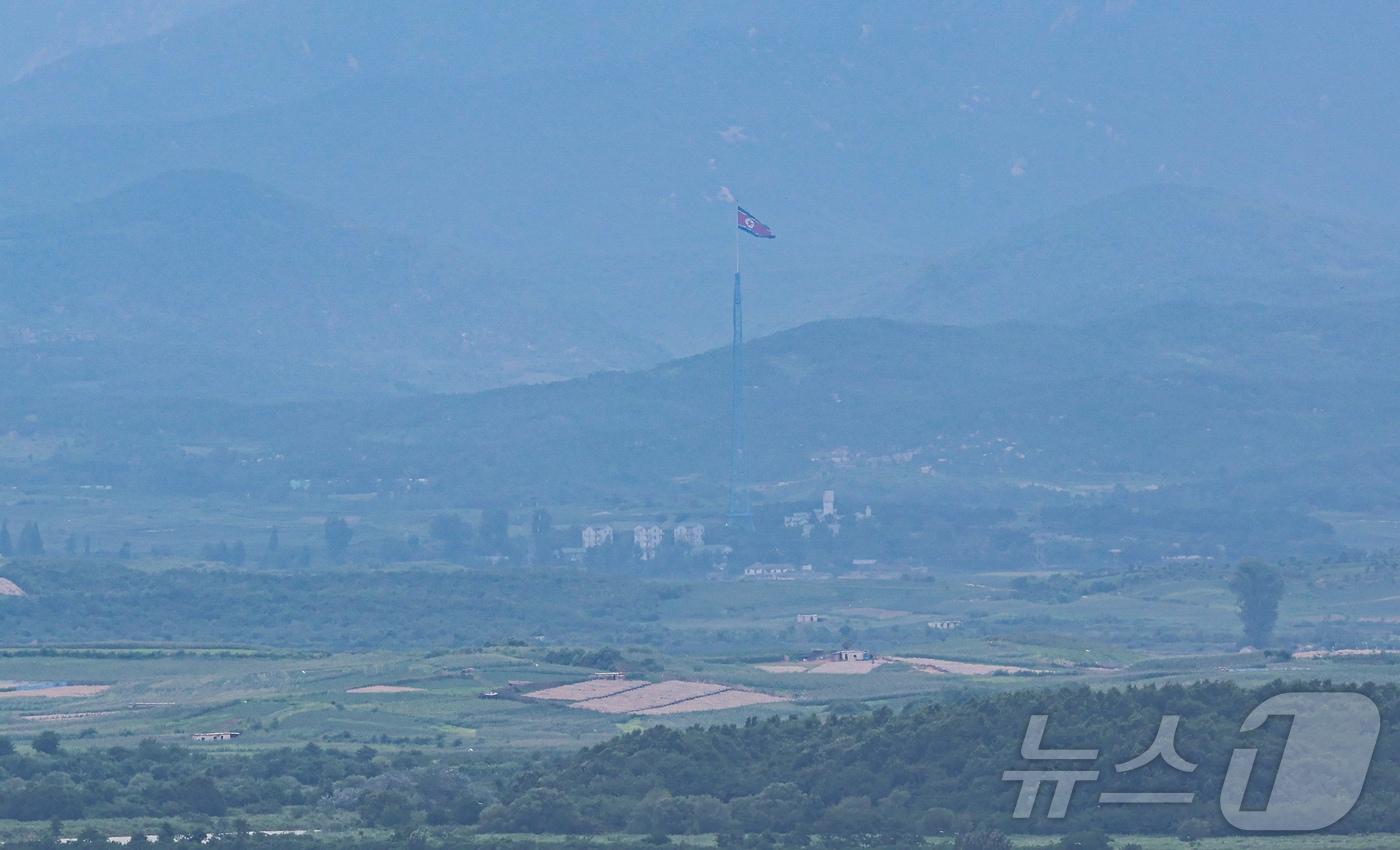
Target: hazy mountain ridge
x=258 y=293
x=1169 y=395
x=201 y=262
x=1159 y=244
x=997 y=119
x=581 y=174
x=37 y=35
x=590 y=159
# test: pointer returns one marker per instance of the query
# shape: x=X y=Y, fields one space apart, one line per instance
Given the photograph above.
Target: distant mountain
x=594 y=153
x=195 y=58
x=36 y=35
x=899 y=128
x=209 y=284
x=1154 y=245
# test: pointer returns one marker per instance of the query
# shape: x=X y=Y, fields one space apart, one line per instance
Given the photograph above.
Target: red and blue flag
x=753 y=226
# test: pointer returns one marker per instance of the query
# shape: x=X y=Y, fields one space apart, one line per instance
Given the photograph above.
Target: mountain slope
x=39 y=34
x=1284 y=403
x=1154 y=245
x=907 y=127
x=208 y=284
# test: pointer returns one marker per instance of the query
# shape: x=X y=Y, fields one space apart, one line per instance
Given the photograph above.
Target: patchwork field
x=48 y=690
x=653 y=699
x=580 y=691
x=725 y=700
x=1168 y=626
x=943 y=666
x=935 y=666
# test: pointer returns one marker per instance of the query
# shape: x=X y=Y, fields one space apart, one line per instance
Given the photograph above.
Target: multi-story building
x=648 y=539
x=597 y=535
x=689 y=534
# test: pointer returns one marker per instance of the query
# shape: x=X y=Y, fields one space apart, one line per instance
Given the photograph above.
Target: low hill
x=1175 y=394
x=1154 y=245
x=205 y=283
x=926 y=770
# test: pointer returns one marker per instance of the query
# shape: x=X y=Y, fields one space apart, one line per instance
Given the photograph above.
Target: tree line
x=933 y=769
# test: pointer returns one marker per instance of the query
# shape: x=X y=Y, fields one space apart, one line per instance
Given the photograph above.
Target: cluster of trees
x=1258 y=588
x=452 y=537
x=88 y=601
x=455 y=538
x=233 y=555
x=875 y=779
x=52 y=781
x=930 y=770
x=606 y=658
x=30 y=541
x=273 y=554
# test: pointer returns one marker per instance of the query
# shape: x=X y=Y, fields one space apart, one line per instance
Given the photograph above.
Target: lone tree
x=31 y=542
x=1258 y=588
x=338 y=534
x=541 y=526
x=451 y=531
x=45 y=742
x=495 y=531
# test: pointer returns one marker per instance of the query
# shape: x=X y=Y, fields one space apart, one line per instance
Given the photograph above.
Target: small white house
x=801 y=519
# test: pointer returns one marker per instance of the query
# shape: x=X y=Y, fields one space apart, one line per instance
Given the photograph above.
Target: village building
x=809 y=618
x=801 y=519
x=597 y=535
x=769 y=571
x=648 y=539
x=689 y=534
x=215 y=736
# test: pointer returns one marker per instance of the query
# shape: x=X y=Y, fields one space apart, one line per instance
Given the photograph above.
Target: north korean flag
x=753 y=226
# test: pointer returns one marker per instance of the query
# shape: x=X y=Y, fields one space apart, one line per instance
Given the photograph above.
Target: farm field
x=436 y=700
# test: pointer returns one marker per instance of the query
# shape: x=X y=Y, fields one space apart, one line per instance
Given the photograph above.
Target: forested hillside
x=322 y=608
x=930 y=769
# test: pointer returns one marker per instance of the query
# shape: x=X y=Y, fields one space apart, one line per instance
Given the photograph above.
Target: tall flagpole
x=739 y=514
